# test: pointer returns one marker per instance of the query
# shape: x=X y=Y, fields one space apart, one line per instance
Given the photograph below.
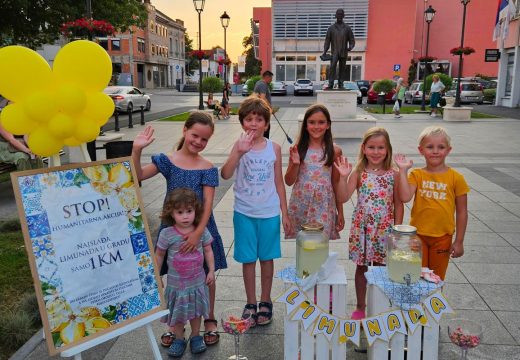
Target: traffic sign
x=397 y=67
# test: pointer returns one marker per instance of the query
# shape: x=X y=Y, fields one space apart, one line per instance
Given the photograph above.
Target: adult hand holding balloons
x=62 y=106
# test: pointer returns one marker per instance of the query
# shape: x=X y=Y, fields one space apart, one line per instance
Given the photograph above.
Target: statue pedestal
x=342 y=105
x=451 y=113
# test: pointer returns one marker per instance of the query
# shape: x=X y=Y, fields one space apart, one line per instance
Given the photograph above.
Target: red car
x=372 y=95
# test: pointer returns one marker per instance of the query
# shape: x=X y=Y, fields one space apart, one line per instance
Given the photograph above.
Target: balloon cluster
x=62 y=106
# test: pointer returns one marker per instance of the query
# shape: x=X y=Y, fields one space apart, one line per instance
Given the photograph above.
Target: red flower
x=427 y=58
x=199 y=54
x=462 y=50
x=85 y=27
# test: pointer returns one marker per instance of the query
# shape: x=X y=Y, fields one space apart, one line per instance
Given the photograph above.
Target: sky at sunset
x=240 y=12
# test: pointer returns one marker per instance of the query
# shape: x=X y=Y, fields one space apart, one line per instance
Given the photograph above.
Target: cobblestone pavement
x=483 y=285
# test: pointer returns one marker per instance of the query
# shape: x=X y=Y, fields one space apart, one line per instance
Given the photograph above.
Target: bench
x=216 y=109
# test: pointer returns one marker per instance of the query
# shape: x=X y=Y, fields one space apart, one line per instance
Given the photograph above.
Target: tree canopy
x=33 y=23
x=253 y=65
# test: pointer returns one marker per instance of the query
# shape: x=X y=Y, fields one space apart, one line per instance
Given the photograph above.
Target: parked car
x=245 y=89
x=303 y=86
x=372 y=95
x=128 y=98
x=278 y=88
x=363 y=85
x=351 y=85
x=470 y=91
x=347 y=85
x=413 y=94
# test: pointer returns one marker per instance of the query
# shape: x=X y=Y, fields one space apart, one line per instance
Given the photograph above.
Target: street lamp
x=224 y=20
x=428 y=17
x=199 y=7
x=457 y=94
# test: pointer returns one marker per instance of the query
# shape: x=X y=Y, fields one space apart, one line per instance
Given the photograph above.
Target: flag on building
x=506 y=10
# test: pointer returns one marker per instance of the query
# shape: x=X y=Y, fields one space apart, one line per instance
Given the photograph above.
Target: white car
x=128 y=98
x=303 y=86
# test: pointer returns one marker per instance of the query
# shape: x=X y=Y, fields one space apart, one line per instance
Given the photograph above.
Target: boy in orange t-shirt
x=440 y=193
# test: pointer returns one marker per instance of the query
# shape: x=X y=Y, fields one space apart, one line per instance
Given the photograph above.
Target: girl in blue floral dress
x=186 y=168
x=378 y=206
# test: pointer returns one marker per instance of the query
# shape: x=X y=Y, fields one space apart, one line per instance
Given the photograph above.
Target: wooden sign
x=89 y=249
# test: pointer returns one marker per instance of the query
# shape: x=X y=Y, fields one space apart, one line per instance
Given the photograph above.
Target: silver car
x=470 y=92
x=414 y=94
x=128 y=98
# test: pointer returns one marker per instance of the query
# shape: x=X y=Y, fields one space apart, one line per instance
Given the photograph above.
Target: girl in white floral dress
x=311 y=171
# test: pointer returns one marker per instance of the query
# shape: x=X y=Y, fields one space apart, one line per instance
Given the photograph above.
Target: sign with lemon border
x=89 y=249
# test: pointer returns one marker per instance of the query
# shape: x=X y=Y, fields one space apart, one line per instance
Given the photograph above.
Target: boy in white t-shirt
x=259 y=196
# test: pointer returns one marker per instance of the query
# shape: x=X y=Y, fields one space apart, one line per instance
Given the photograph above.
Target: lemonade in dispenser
x=404 y=254
x=312 y=249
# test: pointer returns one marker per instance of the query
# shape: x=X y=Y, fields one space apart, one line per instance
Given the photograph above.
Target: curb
x=27 y=348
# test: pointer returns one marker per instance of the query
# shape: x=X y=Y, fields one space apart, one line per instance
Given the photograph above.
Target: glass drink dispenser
x=404 y=254
x=312 y=249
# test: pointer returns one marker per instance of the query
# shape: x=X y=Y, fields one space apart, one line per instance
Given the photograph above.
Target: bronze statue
x=341 y=40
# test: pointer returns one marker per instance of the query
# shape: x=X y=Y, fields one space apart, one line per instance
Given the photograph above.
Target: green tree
x=212 y=84
x=33 y=23
x=253 y=65
x=192 y=64
x=445 y=79
x=384 y=85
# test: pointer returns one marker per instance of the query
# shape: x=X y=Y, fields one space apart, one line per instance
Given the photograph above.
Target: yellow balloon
x=71 y=99
x=22 y=71
x=14 y=120
x=86 y=130
x=83 y=63
x=100 y=107
x=41 y=142
x=62 y=126
x=40 y=106
x=72 y=141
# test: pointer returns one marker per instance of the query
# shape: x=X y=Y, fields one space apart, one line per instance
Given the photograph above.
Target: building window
x=152 y=26
x=311 y=72
x=152 y=49
x=103 y=43
x=324 y=70
x=357 y=58
x=280 y=58
x=300 y=71
x=509 y=74
x=356 y=72
x=290 y=72
x=116 y=44
x=300 y=58
x=280 y=72
x=311 y=58
x=141 y=45
x=290 y=58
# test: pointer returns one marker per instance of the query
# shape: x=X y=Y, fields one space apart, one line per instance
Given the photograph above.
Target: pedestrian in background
x=263 y=90
x=435 y=93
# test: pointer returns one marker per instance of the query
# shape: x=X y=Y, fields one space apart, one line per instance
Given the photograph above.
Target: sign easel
x=90 y=253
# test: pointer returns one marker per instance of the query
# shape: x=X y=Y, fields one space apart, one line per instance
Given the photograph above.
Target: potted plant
x=198 y=54
x=87 y=28
x=427 y=58
x=462 y=50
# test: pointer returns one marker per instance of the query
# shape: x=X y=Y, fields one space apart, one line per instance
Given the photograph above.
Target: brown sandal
x=211 y=337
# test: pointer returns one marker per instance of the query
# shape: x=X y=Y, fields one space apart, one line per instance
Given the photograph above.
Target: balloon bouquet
x=54 y=107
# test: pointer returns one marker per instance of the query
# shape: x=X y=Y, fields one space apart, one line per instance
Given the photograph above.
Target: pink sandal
x=358 y=315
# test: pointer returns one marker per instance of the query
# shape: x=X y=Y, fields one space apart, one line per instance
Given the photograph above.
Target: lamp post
x=224 y=20
x=457 y=94
x=428 y=17
x=199 y=7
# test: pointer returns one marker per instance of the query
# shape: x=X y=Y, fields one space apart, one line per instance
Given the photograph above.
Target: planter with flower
x=462 y=50
x=87 y=28
x=198 y=54
x=222 y=61
x=427 y=59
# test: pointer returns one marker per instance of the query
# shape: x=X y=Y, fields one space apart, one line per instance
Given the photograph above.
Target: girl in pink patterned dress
x=187 y=290
x=378 y=206
x=314 y=177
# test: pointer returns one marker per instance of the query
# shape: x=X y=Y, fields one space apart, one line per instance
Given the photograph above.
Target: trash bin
x=115 y=149
x=381 y=98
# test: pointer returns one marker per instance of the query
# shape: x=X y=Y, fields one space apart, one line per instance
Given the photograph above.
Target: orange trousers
x=436 y=253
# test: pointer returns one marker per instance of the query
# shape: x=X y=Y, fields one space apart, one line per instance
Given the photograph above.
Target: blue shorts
x=256 y=238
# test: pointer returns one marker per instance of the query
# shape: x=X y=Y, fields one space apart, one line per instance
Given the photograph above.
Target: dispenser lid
x=312 y=226
x=406 y=229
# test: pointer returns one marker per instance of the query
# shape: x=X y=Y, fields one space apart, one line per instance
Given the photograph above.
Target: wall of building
x=263 y=16
x=390 y=38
